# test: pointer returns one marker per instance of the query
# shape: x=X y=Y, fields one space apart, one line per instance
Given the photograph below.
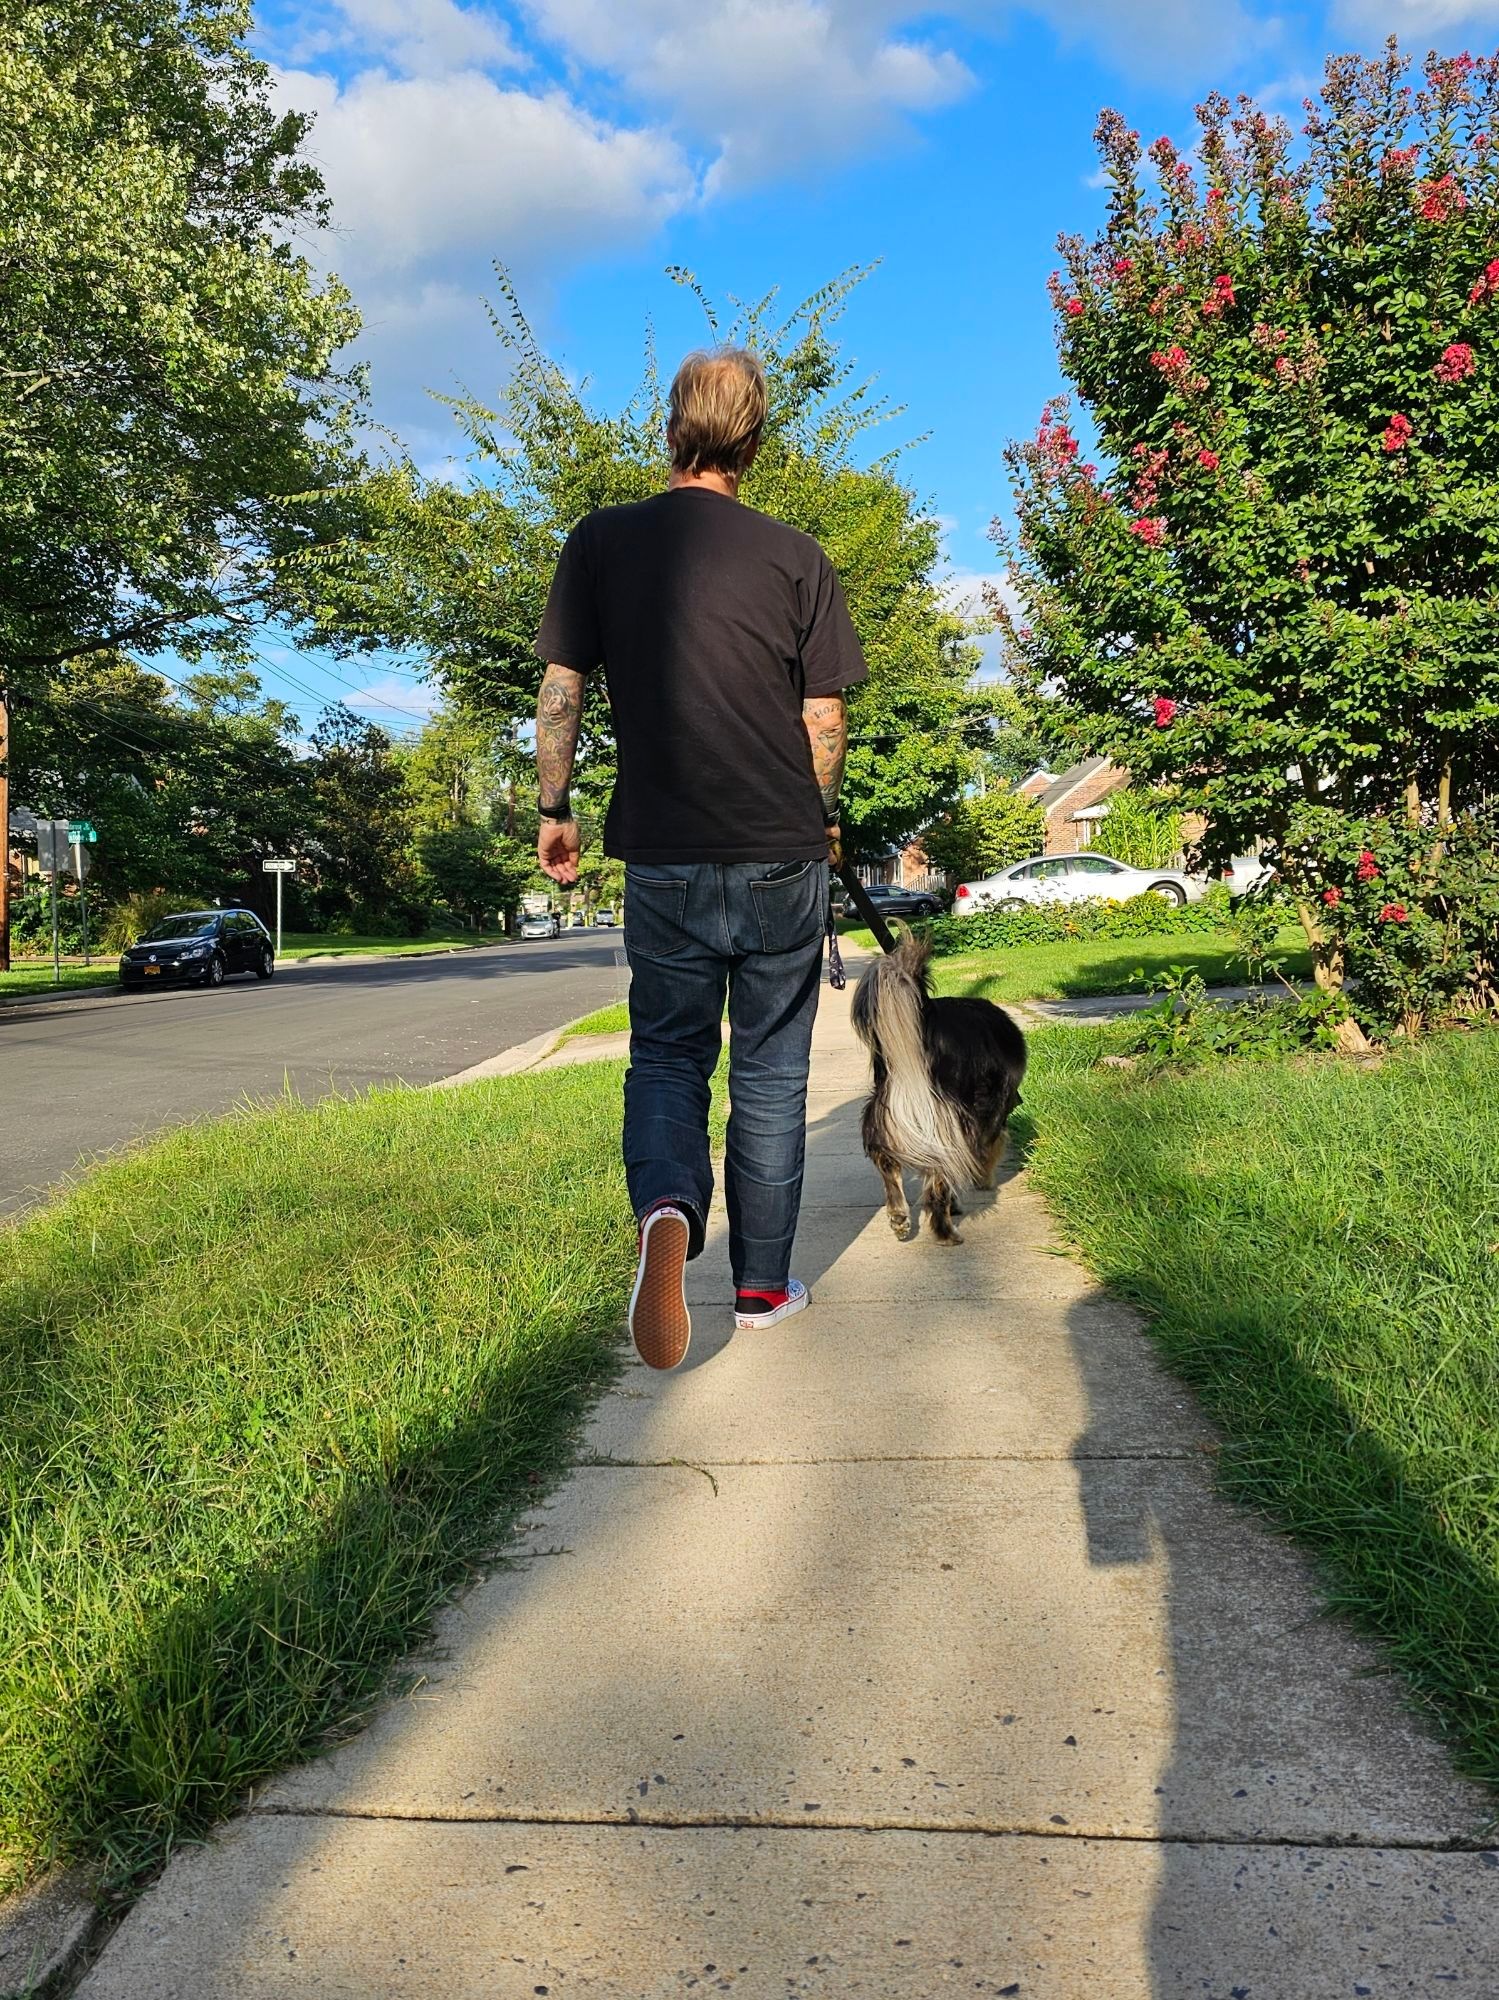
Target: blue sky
x=587 y=144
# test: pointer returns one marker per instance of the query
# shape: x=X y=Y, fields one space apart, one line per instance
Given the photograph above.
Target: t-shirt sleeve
x=832 y=658
x=569 y=635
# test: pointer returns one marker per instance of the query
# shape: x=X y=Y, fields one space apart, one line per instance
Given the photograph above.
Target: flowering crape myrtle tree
x=1276 y=591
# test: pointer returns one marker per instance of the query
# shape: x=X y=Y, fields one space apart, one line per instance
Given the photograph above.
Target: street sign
x=82 y=831
x=52 y=844
x=278 y=867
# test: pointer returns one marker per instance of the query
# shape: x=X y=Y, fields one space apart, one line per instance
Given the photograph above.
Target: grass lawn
x=1100 y=965
x=330 y=944
x=270 y=1384
x=1318 y=1246
x=607 y=1021
x=34 y=975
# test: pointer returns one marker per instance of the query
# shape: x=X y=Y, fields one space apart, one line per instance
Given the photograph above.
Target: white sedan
x=1072 y=878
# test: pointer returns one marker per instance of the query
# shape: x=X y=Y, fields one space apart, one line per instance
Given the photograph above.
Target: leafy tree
x=475 y=870
x=1276 y=588
x=361 y=824
x=168 y=382
x=460 y=572
x=985 y=833
x=454 y=771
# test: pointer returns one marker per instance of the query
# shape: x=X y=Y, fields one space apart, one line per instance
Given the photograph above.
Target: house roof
x=1061 y=789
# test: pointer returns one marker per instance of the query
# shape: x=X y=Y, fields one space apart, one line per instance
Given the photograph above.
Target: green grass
x=331 y=944
x=607 y=1021
x=1318 y=1246
x=29 y=976
x=1100 y=965
x=270 y=1383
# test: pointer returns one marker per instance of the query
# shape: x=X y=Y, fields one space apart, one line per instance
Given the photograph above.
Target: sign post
x=52 y=858
x=280 y=869
x=82 y=832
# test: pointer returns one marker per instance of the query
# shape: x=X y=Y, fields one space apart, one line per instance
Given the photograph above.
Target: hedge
x=1055 y=923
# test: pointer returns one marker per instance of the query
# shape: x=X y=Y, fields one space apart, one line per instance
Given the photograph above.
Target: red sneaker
x=660 y=1324
x=765 y=1308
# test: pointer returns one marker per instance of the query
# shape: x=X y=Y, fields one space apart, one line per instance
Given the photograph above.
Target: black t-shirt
x=713 y=623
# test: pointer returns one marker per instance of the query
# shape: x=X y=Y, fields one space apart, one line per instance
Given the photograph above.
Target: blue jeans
x=693 y=932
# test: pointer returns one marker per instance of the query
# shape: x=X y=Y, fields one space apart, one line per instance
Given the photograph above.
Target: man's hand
x=835 y=846
x=557 y=848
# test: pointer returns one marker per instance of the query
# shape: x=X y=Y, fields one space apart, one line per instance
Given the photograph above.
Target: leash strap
x=866 y=909
x=837 y=977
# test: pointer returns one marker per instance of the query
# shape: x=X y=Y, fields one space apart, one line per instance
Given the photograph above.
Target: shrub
x=1142 y=830
x=127 y=920
x=31 y=924
x=1185 y=1027
x=1058 y=923
x=982 y=835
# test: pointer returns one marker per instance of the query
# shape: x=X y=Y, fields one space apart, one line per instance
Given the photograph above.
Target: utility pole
x=4 y=831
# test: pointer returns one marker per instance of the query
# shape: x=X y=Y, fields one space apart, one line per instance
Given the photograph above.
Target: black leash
x=837 y=977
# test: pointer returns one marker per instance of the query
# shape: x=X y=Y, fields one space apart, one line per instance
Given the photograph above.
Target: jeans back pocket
x=791 y=904
x=654 y=907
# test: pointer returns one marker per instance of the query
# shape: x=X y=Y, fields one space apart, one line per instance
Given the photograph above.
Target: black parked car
x=201 y=948
x=893 y=902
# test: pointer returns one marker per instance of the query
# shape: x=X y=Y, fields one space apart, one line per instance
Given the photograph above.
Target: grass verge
x=1318 y=1247
x=330 y=944
x=607 y=1021
x=270 y=1384
x=1100 y=965
x=35 y=976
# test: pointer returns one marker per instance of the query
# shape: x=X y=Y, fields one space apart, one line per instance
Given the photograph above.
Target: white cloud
x=1415 y=21
x=418 y=167
x=1161 y=38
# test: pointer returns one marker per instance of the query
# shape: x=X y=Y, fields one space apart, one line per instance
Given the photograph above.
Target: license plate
x=153 y=972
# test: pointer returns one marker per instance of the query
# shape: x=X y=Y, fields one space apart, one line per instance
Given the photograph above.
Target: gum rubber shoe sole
x=660 y=1324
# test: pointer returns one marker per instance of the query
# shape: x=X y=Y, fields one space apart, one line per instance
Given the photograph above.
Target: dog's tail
x=925 y=1129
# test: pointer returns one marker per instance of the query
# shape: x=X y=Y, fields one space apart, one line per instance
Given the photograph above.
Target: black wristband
x=563 y=813
x=832 y=819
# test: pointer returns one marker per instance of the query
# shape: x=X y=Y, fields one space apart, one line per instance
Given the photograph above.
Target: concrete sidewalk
x=903 y=1650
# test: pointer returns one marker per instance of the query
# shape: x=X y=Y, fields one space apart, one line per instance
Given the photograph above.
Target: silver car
x=1072 y=878
x=539 y=924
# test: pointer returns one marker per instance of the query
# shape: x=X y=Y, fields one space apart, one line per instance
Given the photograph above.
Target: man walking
x=726 y=645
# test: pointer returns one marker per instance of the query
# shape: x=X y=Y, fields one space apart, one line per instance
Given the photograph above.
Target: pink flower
x=1457 y=363
x=1220 y=298
x=1216 y=195
x=1393 y=913
x=1400 y=161
x=1165 y=711
x=1398 y=433
x=1123 y=266
x=1173 y=361
x=1332 y=897
x=1441 y=199
x=1283 y=367
x=1151 y=528
x=1368 y=868
x=1487 y=286
x=1208 y=460
x=1074 y=308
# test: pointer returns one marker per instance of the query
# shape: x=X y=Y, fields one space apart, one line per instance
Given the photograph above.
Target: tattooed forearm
x=559 y=716
x=827 y=731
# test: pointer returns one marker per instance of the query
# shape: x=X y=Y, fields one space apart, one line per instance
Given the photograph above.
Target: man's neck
x=726 y=483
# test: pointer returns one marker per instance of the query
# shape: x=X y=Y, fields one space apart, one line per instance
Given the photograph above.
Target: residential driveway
x=80 y=1076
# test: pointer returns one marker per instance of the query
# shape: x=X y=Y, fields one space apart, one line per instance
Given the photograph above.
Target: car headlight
x=197 y=951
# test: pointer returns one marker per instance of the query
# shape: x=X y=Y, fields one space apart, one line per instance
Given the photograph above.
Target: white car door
x=1096 y=875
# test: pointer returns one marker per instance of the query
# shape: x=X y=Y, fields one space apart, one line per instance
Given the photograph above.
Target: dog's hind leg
x=895 y=1192
x=938 y=1201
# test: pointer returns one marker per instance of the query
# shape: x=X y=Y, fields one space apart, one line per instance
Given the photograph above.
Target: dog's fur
x=947 y=1075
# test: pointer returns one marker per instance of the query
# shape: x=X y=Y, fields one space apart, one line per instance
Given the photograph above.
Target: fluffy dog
x=947 y=1075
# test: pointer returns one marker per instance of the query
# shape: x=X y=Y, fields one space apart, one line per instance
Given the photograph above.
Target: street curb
x=509 y=1062
x=43 y=1929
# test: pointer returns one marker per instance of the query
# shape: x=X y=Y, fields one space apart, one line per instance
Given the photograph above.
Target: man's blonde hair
x=717 y=411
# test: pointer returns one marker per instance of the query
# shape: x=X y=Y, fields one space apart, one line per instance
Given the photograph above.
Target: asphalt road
x=80 y=1076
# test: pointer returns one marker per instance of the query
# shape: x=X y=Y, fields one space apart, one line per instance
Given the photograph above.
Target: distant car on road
x=1073 y=878
x=603 y=920
x=891 y=901
x=539 y=924
x=199 y=948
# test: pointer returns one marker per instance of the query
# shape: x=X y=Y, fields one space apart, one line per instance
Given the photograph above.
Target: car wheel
x=1169 y=892
x=213 y=974
x=265 y=965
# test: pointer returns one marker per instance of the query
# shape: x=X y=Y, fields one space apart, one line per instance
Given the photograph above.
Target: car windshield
x=180 y=927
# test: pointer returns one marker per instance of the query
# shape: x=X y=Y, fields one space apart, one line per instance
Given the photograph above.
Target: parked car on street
x=892 y=901
x=1072 y=878
x=199 y=948
x=539 y=924
x=1245 y=872
x=603 y=920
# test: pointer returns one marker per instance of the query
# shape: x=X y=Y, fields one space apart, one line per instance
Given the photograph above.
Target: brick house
x=1074 y=802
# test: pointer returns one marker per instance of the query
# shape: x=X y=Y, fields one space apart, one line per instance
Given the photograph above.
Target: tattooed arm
x=559 y=717
x=826 y=721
